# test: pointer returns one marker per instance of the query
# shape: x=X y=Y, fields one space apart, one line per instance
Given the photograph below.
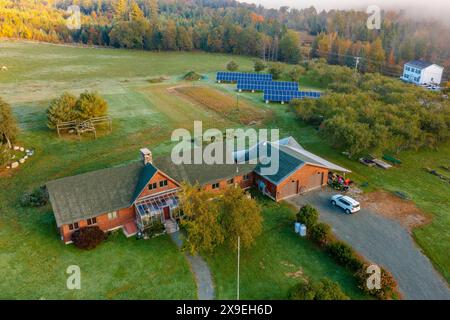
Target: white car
x=348 y=204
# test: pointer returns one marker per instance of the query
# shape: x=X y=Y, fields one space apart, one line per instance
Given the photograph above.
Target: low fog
x=421 y=9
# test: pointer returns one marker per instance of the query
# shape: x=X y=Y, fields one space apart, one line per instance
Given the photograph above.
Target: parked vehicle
x=346 y=203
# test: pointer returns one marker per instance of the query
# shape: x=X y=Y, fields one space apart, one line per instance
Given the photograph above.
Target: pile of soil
x=192 y=76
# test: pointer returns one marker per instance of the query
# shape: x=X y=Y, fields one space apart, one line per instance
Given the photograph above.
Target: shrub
x=296 y=73
x=36 y=198
x=344 y=255
x=88 y=238
x=62 y=109
x=68 y=108
x=308 y=215
x=91 y=104
x=192 y=76
x=325 y=289
x=388 y=285
x=155 y=229
x=276 y=70
x=320 y=233
x=259 y=66
x=232 y=66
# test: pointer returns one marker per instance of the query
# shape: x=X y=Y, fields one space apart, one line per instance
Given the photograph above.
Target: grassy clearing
x=279 y=259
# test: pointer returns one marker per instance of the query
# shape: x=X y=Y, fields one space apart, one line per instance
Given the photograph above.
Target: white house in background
x=421 y=72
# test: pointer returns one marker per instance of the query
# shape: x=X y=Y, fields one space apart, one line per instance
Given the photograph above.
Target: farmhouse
x=421 y=72
x=135 y=195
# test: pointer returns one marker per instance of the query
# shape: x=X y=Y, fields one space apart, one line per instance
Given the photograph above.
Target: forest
x=232 y=27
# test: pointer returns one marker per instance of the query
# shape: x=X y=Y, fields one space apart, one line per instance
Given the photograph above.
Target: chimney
x=146 y=156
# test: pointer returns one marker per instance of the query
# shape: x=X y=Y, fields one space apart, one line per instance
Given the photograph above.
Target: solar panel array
x=288 y=96
x=250 y=85
x=238 y=76
x=274 y=91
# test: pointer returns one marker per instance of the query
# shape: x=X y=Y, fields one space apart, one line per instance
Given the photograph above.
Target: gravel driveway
x=385 y=242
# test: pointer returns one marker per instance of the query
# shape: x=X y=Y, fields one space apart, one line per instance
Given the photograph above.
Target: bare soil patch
x=393 y=207
x=228 y=106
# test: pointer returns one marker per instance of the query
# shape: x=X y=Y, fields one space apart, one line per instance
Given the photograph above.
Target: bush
x=232 y=66
x=325 y=289
x=91 y=105
x=192 y=76
x=62 y=109
x=320 y=233
x=155 y=229
x=296 y=73
x=259 y=66
x=37 y=198
x=276 y=70
x=88 y=238
x=308 y=215
x=388 y=285
x=344 y=255
x=68 y=108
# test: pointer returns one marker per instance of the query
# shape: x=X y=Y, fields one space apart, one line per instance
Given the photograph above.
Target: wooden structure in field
x=80 y=127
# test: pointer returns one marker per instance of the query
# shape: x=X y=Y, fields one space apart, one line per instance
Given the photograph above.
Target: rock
x=22 y=149
x=16 y=148
x=25 y=157
x=22 y=160
x=14 y=165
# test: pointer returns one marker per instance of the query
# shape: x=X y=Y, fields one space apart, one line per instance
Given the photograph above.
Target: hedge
x=344 y=255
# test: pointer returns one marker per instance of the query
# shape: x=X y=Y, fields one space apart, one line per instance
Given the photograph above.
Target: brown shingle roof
x=87 y=195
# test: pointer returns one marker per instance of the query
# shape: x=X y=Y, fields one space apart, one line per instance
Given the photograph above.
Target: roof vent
x=146 y=156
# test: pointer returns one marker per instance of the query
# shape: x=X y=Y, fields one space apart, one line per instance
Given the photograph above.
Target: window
x=152 y=186
x=91 y=221
x=113 y=215
x=162 y=183
x=246 y=177
x=73 y=226
x=215 y=185
x=230 y=181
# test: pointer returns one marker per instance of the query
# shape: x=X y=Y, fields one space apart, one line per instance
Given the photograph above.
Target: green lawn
x=279 y=259
x=32 y=259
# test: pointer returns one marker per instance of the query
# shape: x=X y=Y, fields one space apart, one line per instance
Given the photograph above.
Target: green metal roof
x=147 y=172
x=287 y=164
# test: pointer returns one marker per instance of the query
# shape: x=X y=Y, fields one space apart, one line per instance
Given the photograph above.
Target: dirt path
x=205 y=287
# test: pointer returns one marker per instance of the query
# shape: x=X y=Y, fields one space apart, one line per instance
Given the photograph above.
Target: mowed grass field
x=145 y=114
x=33 y=261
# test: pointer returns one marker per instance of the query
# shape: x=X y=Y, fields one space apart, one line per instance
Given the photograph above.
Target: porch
x=157 y=208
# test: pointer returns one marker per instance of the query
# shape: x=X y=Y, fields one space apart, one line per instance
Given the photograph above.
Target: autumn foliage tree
x=211 y=219
x=200 y=219
x=240 y=217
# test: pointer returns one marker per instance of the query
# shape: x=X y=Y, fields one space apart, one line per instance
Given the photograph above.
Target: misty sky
x=418 y=8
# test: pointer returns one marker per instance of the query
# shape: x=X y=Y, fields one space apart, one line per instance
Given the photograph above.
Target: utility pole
x=238 y=262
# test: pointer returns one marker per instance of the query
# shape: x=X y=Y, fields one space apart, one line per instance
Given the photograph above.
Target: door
x=166 y=211
x=315 y=181
x=289 y=189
